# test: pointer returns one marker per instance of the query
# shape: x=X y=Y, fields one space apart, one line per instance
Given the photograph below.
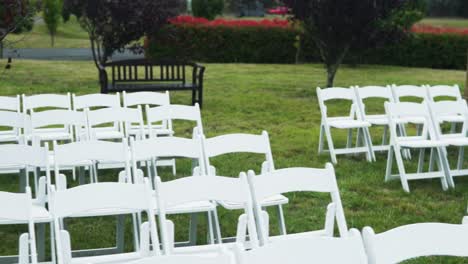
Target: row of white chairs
x=99 y=116
x=156 y=244
x=361 y=120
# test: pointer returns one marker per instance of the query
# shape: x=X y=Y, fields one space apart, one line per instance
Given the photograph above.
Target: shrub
x=273 y=41
x=208 y=9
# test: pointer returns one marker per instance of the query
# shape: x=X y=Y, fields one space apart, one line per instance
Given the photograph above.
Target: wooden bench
x=149 y=75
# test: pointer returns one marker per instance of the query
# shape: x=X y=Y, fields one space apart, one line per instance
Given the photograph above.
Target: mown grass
x=446 y=22
x=248 y=98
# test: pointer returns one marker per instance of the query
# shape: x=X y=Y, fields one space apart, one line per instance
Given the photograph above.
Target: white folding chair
x=91 y=101
x=92 y=154
x=457 y=110
x=17 y=209
x=147 y=99
x=416 y=240
x=343 y=122
x=120 y=119
x=298 y=180
x=307 y=250
x=363 y=94
x=402 y=114
x=199 y=189
x=104 y=199
x=222 y=257
x=24 y=158
x=151 y=150
x=164 y=115
x=446 y=91
x=56 y=125
x=245 y=143
x=48 y=102
x=17 y=123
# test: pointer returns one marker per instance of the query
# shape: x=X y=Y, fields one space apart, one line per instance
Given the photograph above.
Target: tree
x=52 y=12
x=208 y=9
x=340 y=26
x=466 y=82
x=13 y=14
x=114 y=24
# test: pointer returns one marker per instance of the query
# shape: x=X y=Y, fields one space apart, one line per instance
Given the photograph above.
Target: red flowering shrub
x=428 y=29
x=199 y=21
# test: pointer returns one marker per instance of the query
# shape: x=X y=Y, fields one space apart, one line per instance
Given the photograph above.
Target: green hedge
x=277 y=45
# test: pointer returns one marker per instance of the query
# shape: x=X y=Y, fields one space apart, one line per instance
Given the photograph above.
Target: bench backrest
x=148 y=71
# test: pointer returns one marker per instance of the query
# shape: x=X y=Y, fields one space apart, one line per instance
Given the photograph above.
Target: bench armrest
x=103 y=80
x=198 y=74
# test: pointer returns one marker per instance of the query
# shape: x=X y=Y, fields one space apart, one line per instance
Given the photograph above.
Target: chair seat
x=159 y=130
x=271 y=201
x=379 y=120
x=422 y=143
x=8 y=136
x=53 y=134
x=314 y=233
x=348 y=123
x=192 y=207
x=108 y=134
x=112 y=258
x=456 y=141
x=412 y=120
x=39 y=213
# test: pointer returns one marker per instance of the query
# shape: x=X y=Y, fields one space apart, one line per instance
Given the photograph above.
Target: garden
x=261 y=75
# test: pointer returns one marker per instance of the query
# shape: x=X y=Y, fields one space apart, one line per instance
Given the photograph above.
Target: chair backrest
x=57 y=117
x=221 y=258
x=173 y=112
x=288 y=180
x=167 y=147
x=96 y=100
x=205 y=188
x=145 y=98
x=17 y=207
x=17 y=155
x=444 y=91
x=311 y=249
x=384 y=92
x=120 y=116
x=400 y=113
x=336 y=93
x=239 y=143
x=408 y=91
x=14 y=119
x=449 y=108
x=416 y=240
x=32 y=102
x=10 y=103
x=93 y=199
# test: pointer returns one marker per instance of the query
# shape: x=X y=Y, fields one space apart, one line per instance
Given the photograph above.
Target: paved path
x=61 y=54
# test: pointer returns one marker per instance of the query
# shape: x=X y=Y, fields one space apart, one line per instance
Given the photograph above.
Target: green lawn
x=280 y=99
x=446 y=22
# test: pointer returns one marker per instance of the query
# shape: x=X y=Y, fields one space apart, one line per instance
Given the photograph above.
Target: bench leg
x=194 y=96
x=200 y=97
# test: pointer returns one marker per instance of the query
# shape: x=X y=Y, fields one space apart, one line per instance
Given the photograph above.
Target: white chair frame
x=381 y=92
x=401 y=114
x=70 y=123
x=18 y=122
x=416 y=240
x=446 y=91
x=306 y=250
x=342 y=122
x=245 y=143
x=298 y=180
x=203 y=188
x=81 y=102
x=104 y=199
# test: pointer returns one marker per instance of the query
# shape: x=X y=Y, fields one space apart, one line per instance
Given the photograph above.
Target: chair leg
x=331 y=147
x=320 y=146
x=421 y=160
x=210 y=228
x=388 y=172
x=368 y=143
x=52 y=243
x=453 y=128
x=431 y=160
x=359 y=138
x=281 y=221
x=40 y=243
x=217 y=227
x=136 y=238
x=385 y=136
x=401 y=169
x=349 y=139
x=461 y=155
x=444 y=167
x=193 y=229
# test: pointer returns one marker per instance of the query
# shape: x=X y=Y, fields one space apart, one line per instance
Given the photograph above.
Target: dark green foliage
x=208 y=9
x=225 y=44
x=276 y=45
x=448 y=8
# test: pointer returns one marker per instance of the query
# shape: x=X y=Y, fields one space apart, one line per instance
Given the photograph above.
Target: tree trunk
x=331 y=73
x=466 y=82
